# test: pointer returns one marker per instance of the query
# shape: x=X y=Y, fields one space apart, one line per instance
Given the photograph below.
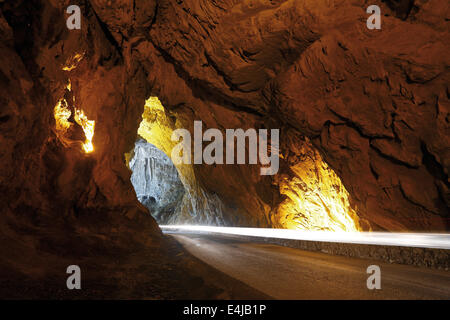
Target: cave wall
x=155 y=180
x=374 y=104
x=365 y=110
x=55 y=198
x=198 y=205
x=378 y=110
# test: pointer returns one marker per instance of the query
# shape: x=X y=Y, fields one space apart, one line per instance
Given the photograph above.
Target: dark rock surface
x=374 y=104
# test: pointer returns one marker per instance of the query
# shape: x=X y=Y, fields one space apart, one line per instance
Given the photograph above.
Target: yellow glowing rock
x=88 y=128
x=315 y=196
x=72 y=62
x=157 y=128
x=62 y=114
x=316 y=199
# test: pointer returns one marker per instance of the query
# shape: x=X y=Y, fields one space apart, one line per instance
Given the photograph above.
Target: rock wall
x=197 y=205
x=373 y=104
x=58 y=204
x=374 y=109
x=314 y=197
x=155 y=180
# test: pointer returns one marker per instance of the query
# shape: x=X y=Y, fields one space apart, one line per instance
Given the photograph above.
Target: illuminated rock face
x=50 y=170
x=371 y=106
x=314 y=197
x=376 y=109
x=155 y=180
x=197 y=206
x=374 y=106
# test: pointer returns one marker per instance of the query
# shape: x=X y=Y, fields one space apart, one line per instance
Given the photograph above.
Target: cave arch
x=191 y=205
x=310 y=194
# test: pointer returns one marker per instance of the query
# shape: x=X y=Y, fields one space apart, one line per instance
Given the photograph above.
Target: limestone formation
x=155 y=180
x=363 y=114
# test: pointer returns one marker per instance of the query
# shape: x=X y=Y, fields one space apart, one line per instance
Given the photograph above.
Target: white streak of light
x=422 y=240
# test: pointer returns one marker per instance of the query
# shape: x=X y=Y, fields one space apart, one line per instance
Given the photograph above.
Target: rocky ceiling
x=366 y=109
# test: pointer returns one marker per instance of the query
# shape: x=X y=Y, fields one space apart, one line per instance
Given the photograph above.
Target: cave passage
x=362 y=147
x=312 y=197
x=171 y=193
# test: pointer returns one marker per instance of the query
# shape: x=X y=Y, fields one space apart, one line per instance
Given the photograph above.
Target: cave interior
x=87 y=118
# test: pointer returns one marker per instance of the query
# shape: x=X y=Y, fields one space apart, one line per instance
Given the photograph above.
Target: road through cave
x=354 y=122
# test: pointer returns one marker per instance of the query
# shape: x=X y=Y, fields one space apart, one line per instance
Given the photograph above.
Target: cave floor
x=164 y=271
x=289 y=273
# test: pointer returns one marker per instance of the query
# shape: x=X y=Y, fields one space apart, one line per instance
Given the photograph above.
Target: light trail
x=420 y=240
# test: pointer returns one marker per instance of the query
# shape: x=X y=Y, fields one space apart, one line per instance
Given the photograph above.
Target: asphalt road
x=287 y=273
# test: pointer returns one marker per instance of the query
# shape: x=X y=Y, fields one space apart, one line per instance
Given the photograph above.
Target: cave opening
x=311 y=195
x=171 y=192
x=155 y=179
x=362 y=115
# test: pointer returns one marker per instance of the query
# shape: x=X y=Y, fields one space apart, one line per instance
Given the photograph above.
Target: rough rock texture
x=60 y=205
x=314 y=196
x=197 y=205
x=155 y=180
x=374 y=104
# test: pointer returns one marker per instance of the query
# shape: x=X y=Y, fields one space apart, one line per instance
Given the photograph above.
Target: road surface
x=288 y=273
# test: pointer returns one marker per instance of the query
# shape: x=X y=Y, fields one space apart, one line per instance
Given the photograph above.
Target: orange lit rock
x=369 y=108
